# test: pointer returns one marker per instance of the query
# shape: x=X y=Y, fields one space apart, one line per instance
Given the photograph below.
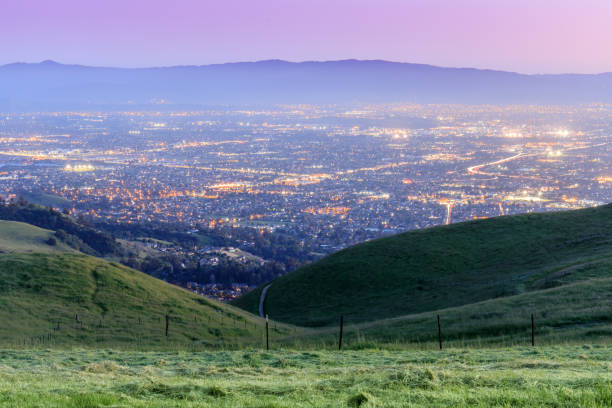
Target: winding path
x=261 y=301
x=567 y=270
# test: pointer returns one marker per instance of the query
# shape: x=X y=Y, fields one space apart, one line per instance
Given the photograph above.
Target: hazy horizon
x=529 y=37
x=52 y=60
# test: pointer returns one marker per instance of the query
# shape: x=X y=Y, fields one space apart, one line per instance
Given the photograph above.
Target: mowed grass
x=568 y=376
x=68 y=299
x=444 y=267
x=22 y=237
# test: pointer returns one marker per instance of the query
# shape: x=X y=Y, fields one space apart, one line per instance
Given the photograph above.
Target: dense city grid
x=328 y=176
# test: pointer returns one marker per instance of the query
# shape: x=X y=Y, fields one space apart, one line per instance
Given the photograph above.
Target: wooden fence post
x=341 y=327
x=267 y=335
x=532 y=331
x=439 y=333
x=167 y=319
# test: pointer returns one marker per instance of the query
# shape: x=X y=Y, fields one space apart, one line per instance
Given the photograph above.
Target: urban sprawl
x=322 y=177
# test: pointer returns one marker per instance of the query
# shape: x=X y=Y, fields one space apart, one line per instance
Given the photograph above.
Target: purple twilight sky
x=530 y=36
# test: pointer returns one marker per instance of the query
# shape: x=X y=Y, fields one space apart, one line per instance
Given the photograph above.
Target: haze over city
x=318 y=155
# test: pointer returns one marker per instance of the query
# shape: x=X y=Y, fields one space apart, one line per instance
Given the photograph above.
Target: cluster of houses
x=217 y=291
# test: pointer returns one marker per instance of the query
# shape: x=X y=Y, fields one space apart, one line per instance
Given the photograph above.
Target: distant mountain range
x=52 y=86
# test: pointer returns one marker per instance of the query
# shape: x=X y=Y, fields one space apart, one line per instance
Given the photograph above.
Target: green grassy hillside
x=45 y=200
x=575 y=313
x=41 y=295
x=556 y=266
x=22 y=237
x=444 y=267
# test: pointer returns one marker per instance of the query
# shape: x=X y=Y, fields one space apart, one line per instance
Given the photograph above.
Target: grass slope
x=116 y=307
x=567 y=376
x=443 y=267
x=45 y=200
x=575 y=313
x=21 y=237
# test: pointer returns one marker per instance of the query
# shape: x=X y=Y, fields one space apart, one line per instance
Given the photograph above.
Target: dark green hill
x=577 y=312
x=78 y=236
x=45 y=200
x=41 y=295
x=21 y=237
x=443 y=267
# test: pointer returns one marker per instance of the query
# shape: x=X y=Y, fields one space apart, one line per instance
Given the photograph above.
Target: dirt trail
x=262 y=299
x=566 y=271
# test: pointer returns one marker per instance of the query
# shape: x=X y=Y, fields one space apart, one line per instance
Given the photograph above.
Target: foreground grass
x=549 y=376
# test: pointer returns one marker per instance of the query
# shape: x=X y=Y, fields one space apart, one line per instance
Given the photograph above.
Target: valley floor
x=554 y=376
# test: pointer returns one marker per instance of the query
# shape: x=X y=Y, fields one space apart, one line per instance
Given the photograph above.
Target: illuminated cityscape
x=326 y=176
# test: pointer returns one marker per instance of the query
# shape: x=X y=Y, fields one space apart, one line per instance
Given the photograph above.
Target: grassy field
x=42 y=294
x=79 y=331
x=21 y=237
x=444 y=267
x=567 y=376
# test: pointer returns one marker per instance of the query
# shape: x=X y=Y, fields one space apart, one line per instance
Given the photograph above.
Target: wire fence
x=166 y=331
